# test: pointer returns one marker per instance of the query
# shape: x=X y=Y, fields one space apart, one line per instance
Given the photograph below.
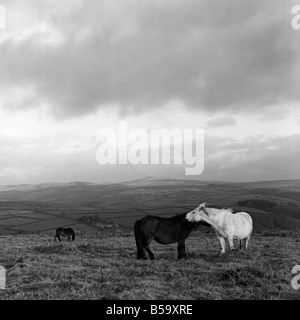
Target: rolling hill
x=274 y=205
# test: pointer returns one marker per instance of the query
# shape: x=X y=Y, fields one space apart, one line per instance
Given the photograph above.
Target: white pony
x=238 y=225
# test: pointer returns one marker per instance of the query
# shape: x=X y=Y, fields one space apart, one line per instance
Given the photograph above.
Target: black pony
x=65 y=232
x=163 y=231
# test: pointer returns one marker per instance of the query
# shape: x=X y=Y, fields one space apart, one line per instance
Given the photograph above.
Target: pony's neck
x=213 y=213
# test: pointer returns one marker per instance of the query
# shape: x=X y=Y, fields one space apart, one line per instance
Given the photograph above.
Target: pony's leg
x=241 y=243
x=247 y=242
x=223 y=244
x=141 y=254
x=146 y=246
x=230 y=240
x=140 y=243
x=181 y=249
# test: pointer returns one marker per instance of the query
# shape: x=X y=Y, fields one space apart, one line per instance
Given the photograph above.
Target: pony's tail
x=138 y=240
x=73 y=236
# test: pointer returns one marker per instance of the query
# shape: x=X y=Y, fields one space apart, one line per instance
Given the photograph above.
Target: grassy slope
x=103 y=266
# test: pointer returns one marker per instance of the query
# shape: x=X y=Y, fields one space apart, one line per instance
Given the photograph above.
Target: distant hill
x=274 y=205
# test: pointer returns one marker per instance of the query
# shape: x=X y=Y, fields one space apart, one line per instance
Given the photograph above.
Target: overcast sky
x=71 y=68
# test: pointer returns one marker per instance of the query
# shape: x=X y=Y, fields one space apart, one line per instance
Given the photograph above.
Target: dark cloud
x=209 y=55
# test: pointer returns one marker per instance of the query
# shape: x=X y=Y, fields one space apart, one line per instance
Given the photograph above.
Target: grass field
x=101 y=263
x=103 y=266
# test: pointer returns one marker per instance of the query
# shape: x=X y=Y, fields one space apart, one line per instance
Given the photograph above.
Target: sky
x=71 y=68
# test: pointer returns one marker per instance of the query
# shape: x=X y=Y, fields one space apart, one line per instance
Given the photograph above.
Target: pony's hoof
x=142 y=258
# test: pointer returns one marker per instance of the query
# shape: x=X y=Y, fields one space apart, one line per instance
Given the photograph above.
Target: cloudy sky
x=71 y=68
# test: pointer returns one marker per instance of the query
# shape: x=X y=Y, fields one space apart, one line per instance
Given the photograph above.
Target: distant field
x=46 y=225
x=16 y=221
x=103 y=266
x=31 y=208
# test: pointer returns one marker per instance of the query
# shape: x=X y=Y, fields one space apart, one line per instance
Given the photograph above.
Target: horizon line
x=148 y=178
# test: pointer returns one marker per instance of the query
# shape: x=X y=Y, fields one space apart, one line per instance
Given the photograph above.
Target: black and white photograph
x=149 y=152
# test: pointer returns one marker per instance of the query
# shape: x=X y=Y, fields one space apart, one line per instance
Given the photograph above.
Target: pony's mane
x=229 y=210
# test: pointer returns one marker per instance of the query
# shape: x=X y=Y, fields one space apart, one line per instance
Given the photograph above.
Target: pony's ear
x=202 y=205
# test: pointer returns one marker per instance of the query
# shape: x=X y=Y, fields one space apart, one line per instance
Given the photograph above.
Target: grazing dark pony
x=65 y=232
x=164 y=231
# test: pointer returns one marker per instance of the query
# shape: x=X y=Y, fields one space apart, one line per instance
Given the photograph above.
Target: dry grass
x=103 y=266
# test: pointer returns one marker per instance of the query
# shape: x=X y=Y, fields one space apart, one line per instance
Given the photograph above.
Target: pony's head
x=196 y=215
x=200 y=214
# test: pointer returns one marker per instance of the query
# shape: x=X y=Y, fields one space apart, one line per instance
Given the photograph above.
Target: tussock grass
x=104 y=266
